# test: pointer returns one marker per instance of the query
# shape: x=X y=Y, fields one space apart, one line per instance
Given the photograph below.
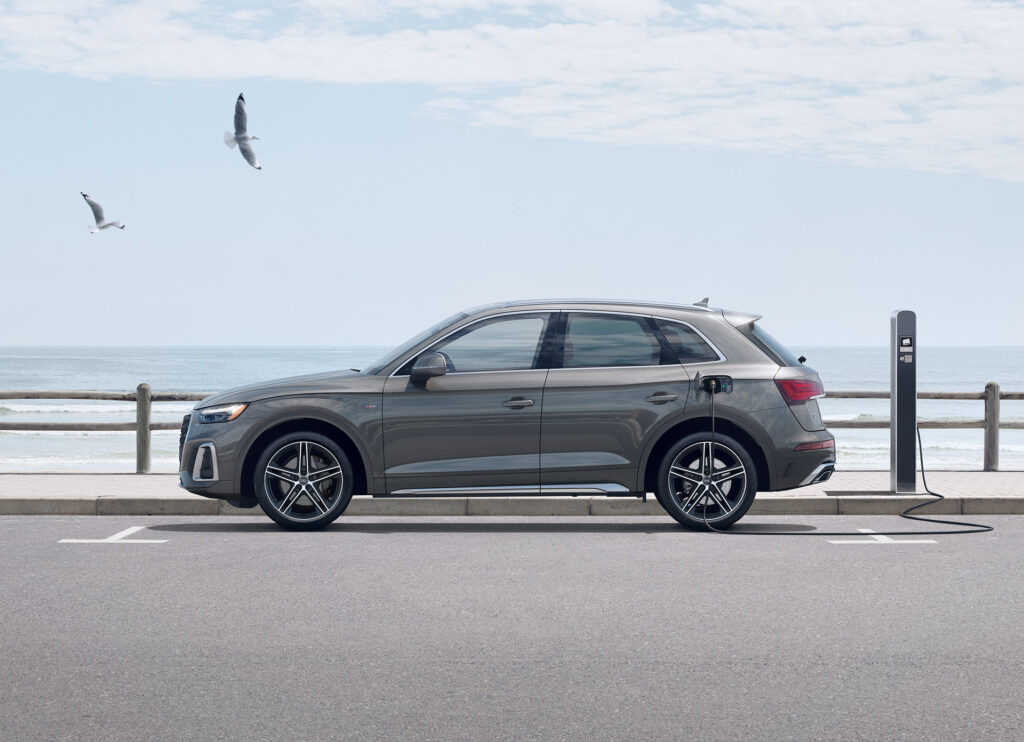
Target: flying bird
x=97 y=212
x=241 y=137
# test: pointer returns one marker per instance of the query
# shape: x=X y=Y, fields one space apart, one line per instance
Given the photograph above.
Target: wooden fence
x=990 y=423
x=144 y=398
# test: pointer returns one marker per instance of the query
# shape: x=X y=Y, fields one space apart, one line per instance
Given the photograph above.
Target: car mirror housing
x=427 y=366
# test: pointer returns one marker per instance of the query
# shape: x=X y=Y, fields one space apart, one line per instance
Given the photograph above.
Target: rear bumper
x=822 y=473
x=803 y=468
x=789 y=467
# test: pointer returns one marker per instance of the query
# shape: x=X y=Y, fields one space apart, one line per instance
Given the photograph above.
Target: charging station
x=903 y=436
x=903 y=403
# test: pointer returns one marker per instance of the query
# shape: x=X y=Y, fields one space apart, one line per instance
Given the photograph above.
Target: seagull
x=97 y=212
x=240 y=137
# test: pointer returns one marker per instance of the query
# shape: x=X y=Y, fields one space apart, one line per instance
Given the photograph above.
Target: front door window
x=506 y=344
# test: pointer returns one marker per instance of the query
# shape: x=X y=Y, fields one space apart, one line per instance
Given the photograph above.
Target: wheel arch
x=724 y=425
x=293 y=425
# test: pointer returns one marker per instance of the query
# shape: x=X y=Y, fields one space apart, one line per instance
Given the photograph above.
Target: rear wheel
x=303 y=480
x=701 y=485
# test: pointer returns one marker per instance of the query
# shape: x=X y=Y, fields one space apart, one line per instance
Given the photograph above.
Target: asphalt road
x=505 y=628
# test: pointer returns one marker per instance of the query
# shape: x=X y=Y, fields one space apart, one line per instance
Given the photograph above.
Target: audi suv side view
x=697 y=405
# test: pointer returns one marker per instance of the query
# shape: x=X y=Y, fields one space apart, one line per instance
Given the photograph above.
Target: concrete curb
x=853 y=504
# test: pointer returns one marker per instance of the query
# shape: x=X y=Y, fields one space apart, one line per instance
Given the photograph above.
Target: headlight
x=221 y=414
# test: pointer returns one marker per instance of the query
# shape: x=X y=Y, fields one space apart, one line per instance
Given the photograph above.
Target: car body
x=527 y=398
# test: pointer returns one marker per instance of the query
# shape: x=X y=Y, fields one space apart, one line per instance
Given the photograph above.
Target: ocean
x=213 y=369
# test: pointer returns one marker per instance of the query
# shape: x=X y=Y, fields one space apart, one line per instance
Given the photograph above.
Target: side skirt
x=549 y=490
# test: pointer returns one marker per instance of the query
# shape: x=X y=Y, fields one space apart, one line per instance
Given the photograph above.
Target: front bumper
x=202 y=468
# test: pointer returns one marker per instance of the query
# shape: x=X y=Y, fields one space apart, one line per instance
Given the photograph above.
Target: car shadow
x=345 y=526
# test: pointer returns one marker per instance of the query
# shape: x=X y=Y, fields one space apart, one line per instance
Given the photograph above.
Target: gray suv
x=699 y=406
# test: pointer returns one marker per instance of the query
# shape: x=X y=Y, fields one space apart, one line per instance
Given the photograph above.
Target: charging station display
x=903 y=403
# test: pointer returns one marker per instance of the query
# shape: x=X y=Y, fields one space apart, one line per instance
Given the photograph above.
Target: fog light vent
x=205 y=467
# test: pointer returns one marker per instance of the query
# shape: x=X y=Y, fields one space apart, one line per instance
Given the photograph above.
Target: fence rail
x=144 y=398
x=990 y=423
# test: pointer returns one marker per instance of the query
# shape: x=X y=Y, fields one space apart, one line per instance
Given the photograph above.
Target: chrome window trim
x=430 y=343
x=609 y=368
x=721 y=356
x=501 y=371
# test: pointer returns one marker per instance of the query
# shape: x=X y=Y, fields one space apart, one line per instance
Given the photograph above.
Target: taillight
x=798 y=391
x=830 y=443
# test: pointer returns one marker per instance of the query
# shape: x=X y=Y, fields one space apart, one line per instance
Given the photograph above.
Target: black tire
x=689 y=499
x=303 y=480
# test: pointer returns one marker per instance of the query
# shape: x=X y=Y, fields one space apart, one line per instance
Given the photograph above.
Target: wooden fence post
x=143 y=413
x=991 y=426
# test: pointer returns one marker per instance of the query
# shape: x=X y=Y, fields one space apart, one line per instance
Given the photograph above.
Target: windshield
x=393 y=355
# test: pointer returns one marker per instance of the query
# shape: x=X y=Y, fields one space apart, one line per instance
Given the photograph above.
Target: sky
x=821 y=164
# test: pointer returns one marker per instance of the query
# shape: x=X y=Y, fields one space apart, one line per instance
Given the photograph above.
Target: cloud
x=934 y=86
x=577 y=10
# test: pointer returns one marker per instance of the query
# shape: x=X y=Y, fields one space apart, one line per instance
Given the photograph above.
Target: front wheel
x=701 y=485
x=303 y=480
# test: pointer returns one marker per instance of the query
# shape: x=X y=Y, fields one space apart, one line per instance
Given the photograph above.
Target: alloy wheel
x=708 y=486
x=303 y=480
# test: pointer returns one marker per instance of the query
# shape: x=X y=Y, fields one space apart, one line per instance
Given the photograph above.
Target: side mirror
x=428 y=366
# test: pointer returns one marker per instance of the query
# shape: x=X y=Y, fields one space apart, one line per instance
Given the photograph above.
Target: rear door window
x=602 y=340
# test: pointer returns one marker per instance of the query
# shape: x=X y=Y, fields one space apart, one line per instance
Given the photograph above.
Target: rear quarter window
x=771 y=347
x=687 y=343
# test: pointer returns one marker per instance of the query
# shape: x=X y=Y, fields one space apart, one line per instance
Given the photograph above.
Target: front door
x=477 y=426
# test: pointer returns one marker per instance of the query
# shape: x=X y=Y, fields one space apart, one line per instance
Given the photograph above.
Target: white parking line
x=876 y=538
x=118 y=538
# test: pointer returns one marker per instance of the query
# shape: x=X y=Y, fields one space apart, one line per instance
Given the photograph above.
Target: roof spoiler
x=738 y=319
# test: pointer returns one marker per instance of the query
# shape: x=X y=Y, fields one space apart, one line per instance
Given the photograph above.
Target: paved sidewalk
x=854 y=493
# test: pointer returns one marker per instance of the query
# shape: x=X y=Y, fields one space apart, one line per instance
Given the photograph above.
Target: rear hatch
x=798 y=384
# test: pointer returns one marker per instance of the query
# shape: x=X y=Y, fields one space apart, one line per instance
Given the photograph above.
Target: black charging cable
x=971 y=527
x=714 y=386
x=713 y=391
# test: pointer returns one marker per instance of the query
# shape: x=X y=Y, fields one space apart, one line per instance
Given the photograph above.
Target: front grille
x=181 y=438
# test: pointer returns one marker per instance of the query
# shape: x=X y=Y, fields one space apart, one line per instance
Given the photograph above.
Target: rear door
x=613 y=378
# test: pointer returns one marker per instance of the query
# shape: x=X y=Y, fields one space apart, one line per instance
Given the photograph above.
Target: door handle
x=517 y=403
x=661 y=398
